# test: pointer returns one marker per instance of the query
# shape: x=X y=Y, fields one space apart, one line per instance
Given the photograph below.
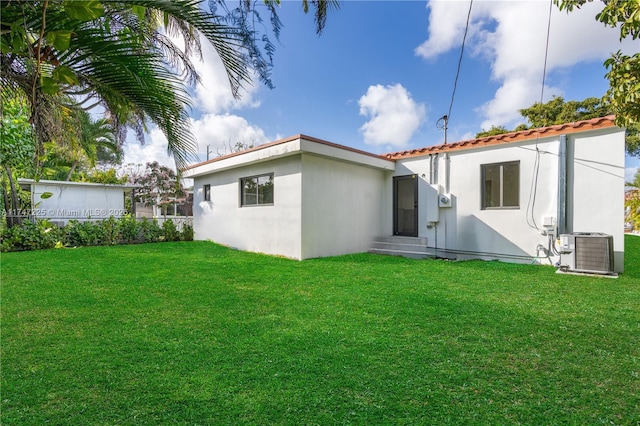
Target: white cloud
x=393 y=115
x=213 y=94
x=216 y=127
x=214 y=130
x=219 y=131
x=154 y=149
x=512 y=36
x=446 y=27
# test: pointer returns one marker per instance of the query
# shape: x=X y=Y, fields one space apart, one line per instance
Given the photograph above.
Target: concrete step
x=402 y=240
x=413 y=247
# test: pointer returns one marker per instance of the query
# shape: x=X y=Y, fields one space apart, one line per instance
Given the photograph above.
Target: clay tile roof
x=578 y=126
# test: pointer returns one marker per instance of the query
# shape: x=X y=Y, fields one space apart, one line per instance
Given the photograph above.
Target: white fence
x=179 y=221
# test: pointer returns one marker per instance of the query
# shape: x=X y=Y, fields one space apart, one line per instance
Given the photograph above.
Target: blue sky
x=382 y=74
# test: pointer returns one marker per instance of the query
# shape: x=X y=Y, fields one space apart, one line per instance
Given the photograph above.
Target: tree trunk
x=14 y=199
x=71 y=170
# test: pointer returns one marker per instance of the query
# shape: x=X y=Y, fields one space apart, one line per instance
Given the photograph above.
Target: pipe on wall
x=561 y=219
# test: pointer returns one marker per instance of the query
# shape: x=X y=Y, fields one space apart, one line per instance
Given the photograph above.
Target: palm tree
x=91 y=136
x=121 y=54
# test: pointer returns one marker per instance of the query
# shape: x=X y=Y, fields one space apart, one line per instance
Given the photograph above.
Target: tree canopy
x=623 y=70
x=559 y=111
x=158 y=186
x=66 y=55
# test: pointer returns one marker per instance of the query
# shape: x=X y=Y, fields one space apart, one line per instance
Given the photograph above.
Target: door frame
x=397 y=179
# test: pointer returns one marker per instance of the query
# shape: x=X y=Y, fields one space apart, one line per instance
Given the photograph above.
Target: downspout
x=562 y=186
x=431 y=171
x=447 y=173
x=447 y=190
x=434 y=180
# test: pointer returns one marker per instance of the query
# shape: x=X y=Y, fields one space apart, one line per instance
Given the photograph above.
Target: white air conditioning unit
x=590 y=252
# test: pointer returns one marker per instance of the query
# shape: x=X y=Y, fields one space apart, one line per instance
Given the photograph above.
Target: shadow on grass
x=631 y=262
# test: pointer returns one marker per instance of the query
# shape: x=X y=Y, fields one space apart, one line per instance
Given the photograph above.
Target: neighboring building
x=182 y=207
x=503 y=197
x=61 y=201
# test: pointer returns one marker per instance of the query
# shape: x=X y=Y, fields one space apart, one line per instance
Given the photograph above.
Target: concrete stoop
x=413 y=247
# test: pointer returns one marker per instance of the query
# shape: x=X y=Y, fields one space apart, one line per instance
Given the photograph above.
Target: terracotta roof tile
x=595 y=123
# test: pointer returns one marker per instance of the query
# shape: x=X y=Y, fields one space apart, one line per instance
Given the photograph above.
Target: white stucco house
x=507 y=197
x=61 y=201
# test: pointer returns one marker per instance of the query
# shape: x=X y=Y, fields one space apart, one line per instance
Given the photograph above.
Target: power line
x=536 y=168
x=546 y=52
x=464 y=38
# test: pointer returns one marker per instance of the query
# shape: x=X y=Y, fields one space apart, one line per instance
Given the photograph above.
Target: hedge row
x=124 y=230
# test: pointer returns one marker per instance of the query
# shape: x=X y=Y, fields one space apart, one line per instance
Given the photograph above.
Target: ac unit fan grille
x=593 y=254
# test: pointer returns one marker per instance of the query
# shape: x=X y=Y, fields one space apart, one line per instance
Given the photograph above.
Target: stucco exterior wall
x=71 y=200
x=506 y=234
x=271 y=229
x=595 y=201
x=342 y=206
x=331 y=200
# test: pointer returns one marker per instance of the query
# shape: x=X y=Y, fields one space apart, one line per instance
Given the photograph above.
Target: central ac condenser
x=590 y=252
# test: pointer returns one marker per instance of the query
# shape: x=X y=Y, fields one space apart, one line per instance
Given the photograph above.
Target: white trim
x=22 y=181
x=288 y=148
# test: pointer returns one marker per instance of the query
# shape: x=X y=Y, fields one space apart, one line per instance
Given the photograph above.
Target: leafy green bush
x=187 y=232
x=111 y=231
x=84 y=233
x=30 y=236
x=128 y=229
x=171 y=233
x=150 y=231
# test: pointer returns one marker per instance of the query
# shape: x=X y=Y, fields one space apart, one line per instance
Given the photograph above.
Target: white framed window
x=206 y=192
x=256 y=190
x=500 y=185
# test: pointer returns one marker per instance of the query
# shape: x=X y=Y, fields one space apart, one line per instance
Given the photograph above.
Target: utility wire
x=464 y=38
x=530 y=213
x=546 y=52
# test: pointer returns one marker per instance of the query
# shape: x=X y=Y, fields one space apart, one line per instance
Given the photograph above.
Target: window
x=256 y=190
x=501 y=185
x=206 y=189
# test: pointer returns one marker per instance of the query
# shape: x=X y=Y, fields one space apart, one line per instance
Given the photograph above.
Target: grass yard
x=196 y=334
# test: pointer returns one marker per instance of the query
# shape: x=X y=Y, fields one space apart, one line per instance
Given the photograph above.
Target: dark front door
x=405 y=205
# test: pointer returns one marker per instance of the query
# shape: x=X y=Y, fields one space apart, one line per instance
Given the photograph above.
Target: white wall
x=597 y=200
x=326 y=203
x=77 y=201
x=342 y=206
x=274 y=229
x=596 y=189
x=507 y=234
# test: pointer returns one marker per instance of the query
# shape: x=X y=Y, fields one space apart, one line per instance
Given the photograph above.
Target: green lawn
x=196 y=334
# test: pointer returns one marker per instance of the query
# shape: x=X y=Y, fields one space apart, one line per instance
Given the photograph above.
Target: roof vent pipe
x=443 y=124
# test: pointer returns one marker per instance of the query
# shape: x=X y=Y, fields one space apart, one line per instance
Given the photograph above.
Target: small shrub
x=187 y=232
x=128 y=229
x=109 y=231
x=84 y=233
x=30 y=236
x=171 y=233
x=150 y=231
